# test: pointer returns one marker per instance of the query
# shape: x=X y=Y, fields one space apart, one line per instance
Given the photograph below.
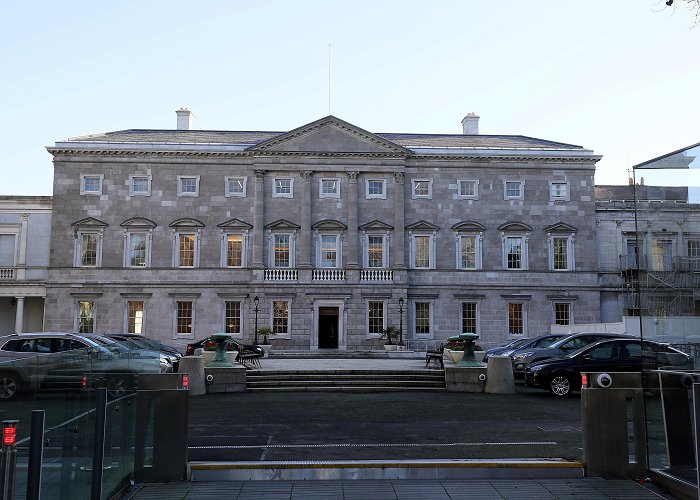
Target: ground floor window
x=86 y=317
x=422 y=318
x=185 y=317
x=233 y=317
x=516 y=318
x=280 y=317
x=135 y=317
x=469 y=323
x=375 y=317
x=562 y=313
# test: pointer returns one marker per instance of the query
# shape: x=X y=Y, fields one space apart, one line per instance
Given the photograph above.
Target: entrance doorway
x=328 y=327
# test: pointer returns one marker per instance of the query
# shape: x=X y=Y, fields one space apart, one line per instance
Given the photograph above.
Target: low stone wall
x=225 y=379
x=467 y=379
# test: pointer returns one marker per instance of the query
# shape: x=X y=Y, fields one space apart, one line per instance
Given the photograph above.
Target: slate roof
x=409 y=141
x=644 y=193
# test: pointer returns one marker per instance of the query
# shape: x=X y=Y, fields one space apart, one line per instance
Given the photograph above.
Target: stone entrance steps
x=346 y=380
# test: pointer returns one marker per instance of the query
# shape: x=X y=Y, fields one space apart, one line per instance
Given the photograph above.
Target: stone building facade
x=337 y=231
x=25 y=229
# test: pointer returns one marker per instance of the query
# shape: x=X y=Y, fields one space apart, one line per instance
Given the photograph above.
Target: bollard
x=499 y=376
x=8 y=460
x=36 y=455
x=194 y=367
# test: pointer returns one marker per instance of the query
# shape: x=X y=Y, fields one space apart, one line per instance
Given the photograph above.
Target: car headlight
x=522 y=355
x=535 y=368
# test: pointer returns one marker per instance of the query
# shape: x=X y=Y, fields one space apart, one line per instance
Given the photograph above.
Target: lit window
x=562 y=313
x=234 y=250
x=375 y=251
x=282 y=250
x=233 y=317
x=280 y=317
x=468 y=189
x=236 y=186
x=422 y=251
x=283 y=187
x=185 y=317
x=139 y=185
x=513 y=190
x=188 y=185
x=91 y=184
x=422 y=188
x=329 y=251
x=561 y=254
x=329 y=188
x=86 y=317
x=469 y=318
x=375 y=317
x=376 y=188
x=422 y=318
x=558 y=191
x=186 y=249
x=516 y=318
x=662 y=254
x=135 y=317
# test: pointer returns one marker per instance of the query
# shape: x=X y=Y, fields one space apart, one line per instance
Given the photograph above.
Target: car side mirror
x=587 y=357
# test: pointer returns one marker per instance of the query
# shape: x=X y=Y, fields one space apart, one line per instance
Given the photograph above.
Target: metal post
x=400 y=320
x=256 y=301
x=8 y=459
x=696 y=423
x=36 y=454
x=99 y=446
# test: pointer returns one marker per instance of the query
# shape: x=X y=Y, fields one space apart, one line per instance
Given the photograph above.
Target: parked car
x=207 y=343
x=170 y=357
x=522 y=357
x=527 y=343
x=562 y=375
x=498 y=350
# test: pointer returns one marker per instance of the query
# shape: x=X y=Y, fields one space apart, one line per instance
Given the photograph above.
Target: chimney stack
x=185 y=119
x=470 y=124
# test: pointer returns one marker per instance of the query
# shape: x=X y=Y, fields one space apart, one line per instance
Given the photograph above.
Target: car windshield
x=108 y=344
x=545 y=342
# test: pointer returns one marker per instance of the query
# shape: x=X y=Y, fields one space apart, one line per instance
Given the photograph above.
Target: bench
x=435 y=355
x=249 y=355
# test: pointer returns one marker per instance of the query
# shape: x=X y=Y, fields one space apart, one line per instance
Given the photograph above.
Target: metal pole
x=256 y=300
x=8 y=459
x=400 y=320
x=36 y=454
x=99 y=446
x=696 y=423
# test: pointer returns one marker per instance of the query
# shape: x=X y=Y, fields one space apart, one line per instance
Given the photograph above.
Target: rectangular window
x=234 y=250
x=376 y=188
x=139 y=185
x=421 y=255
x=468 y=252
x=282 y=247
x=375 y=317
x=514 y=252
x=86 y=317
x=185 y=316
x=469 y=319
x=562 y=313
x=329 y=188
x=468 y=189
x=135 y=320
x=558 y=191
x=560 y=254
x=137 y=250
x=88 y=254
x=423 y=318
x=282 y=187
x=186 y=250
x=236 y=186
x=7 y=250
x=187 y=185
x=513 y=189
x=422 y=188
x=375 y=251
x=694 y=254
x=280 y=317
x=91 y=184
x=233 y=317
x=329 y=250
x=516 y=319
x=661 y=255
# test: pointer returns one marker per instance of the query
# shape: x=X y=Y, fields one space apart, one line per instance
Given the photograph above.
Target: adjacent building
x=327 y=234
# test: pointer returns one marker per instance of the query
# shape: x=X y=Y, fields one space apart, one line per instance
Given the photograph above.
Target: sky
x=620 y=77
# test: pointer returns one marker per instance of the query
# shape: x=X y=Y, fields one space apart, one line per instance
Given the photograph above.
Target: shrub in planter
x=391 y=334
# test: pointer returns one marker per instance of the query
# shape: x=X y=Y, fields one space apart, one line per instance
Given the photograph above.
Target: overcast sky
x=620 y=77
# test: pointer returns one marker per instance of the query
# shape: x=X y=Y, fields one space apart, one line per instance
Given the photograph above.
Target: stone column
x=352 y=242
x=258 y=220
x=398 y=251
x=305 y=232
x=19 y=315
x=21 y=265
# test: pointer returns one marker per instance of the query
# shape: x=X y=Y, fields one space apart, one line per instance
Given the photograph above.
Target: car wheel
x=560 y=386
x=117 y=386
x=9 y=386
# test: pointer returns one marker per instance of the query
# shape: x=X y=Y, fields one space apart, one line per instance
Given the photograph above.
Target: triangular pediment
x=138 y=222
x=330 y=135
x=514 y=227
x=186 y=222
x=282 y=224
x=560 y=227
x=422 y=225
x=468 y=225
x=329 y=225
x=234 y=224
x=375 y=225
x=89 y=222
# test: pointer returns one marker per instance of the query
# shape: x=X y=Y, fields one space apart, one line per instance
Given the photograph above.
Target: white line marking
x=366 y=445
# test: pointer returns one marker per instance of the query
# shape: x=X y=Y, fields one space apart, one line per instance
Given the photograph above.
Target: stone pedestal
x=467 y=379
x=499 y=376
x=225 y=379
x=194 y=366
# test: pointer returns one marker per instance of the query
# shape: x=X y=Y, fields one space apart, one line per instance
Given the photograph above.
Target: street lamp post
x=256 y=301
x=400 y=320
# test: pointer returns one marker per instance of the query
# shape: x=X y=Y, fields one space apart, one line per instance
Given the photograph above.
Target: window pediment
x=329 y=225
x=234 y=224
x=138 y=223
x=282 y=224
x=470 y=226
x=422 y=225
x=89 y=223
x=186 y=222
x=561 y=227
x=376 y=225
x=514 y=227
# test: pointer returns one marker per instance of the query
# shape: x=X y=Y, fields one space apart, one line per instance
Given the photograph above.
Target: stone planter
x=266 y=348
x=390 y=347
x=209 y=356
x=455 y=356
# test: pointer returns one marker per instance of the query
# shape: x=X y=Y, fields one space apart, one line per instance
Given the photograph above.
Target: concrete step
x=337 y=383
x=343 y=388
